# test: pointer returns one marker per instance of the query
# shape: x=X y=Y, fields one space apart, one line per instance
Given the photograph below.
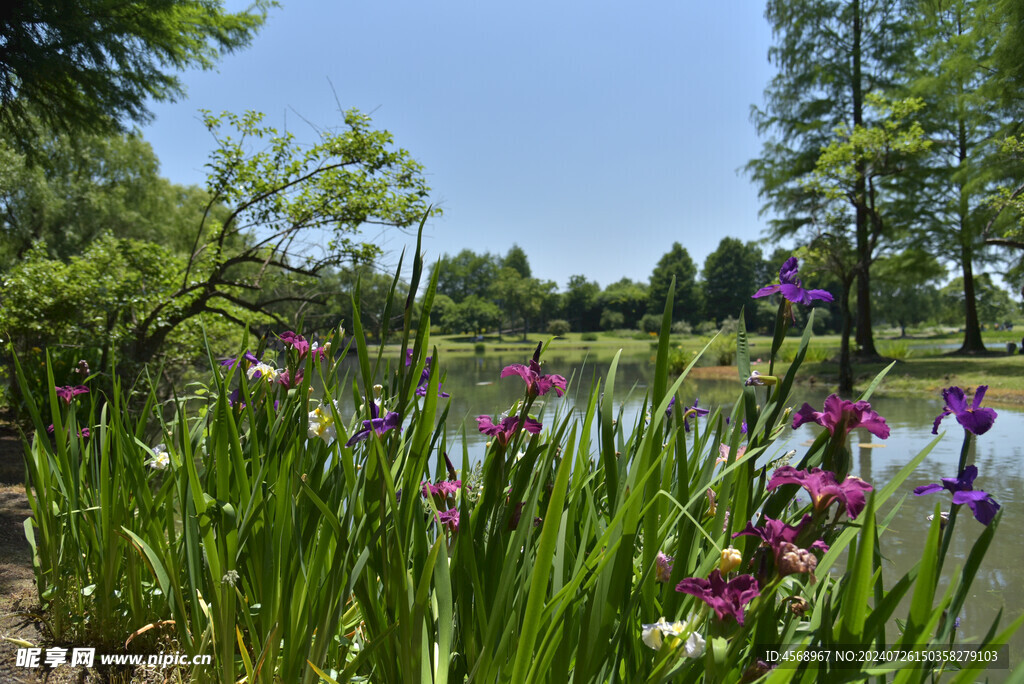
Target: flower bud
x=663 y=567
x=731 y=559
x=793 y=559
x=798 y=605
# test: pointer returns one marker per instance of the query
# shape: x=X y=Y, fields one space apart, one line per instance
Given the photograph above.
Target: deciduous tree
x=687 y=304
x=731 y=273
x=94 y=65
x=830 y=55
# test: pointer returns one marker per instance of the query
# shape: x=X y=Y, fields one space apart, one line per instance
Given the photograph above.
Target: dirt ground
x=19 y=601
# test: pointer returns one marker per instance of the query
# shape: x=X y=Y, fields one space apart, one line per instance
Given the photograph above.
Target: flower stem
x=954 y=508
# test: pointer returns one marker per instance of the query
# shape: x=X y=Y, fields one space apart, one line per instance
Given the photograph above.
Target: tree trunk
x=972 y=326
x=845 y=368
x=865 y=336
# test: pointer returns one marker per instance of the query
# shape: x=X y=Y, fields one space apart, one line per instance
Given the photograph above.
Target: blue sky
x=593 y=134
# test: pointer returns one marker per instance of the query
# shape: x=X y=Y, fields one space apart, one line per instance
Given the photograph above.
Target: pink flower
x=451 y=518
x=295 y=341
x=537 y=384
x=823 y=488
x=843 y=415
x=285 y=378
x=443 y=489
x=507 y=428
x=727 y=598
x=66 y=394
x=724 y=451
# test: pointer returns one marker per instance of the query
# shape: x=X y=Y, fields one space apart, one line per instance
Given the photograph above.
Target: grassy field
x=923 y=360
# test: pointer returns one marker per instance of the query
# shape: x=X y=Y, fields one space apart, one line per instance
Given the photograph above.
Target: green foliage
x=517 y=260
x=627 y=298
x=899 y=350
x=86 y=308
x=91 y=66
x=722 y=349
x=650 y=323
x=589 y=337
x=582 y=303
x=88 y=185
x=682 y=328
x=611 y=320
x=471 y=315
x=558 y=327
x=707 y=328
x=467 y=273
x=730 y=274
x=292 y=552
x=994 y=303
x=905 y=290
x=688 y=304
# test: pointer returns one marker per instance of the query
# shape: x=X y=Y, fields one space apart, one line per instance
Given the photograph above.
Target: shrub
x=896 y=350
x=682 y=328
x=589 y=337
x=707 y=328
x=650 y=323
x=558 y=327
x=611 y=319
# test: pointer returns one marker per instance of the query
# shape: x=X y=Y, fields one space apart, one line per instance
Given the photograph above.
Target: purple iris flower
x=823 y=488
x=421 y=390
x=975 y=419
x=82 y=432
x=231 y=361
x=295 y=341
x=727 y=598
x=743 y=425
x=443 y=489
x=451 y=518
x=844 y=415
x=537 y=384
x=66 y=394
x=791 y=288
x=688 y=411
x=390 y=421
x=776 y=532
x=507 y=428
x=288 y=380
x=235 y=399
x=981 y=503
x=694 y=411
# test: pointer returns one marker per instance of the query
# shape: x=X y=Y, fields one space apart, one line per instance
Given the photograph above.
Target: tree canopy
x=688 y=303
x=91 y=65
x=731 y=273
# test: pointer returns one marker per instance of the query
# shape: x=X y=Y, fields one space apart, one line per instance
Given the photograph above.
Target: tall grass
x=292 y=557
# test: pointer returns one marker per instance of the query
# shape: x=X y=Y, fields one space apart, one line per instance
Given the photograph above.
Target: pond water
x=476 y=388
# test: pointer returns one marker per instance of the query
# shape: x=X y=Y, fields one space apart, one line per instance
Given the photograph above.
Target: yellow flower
x=731 y=559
